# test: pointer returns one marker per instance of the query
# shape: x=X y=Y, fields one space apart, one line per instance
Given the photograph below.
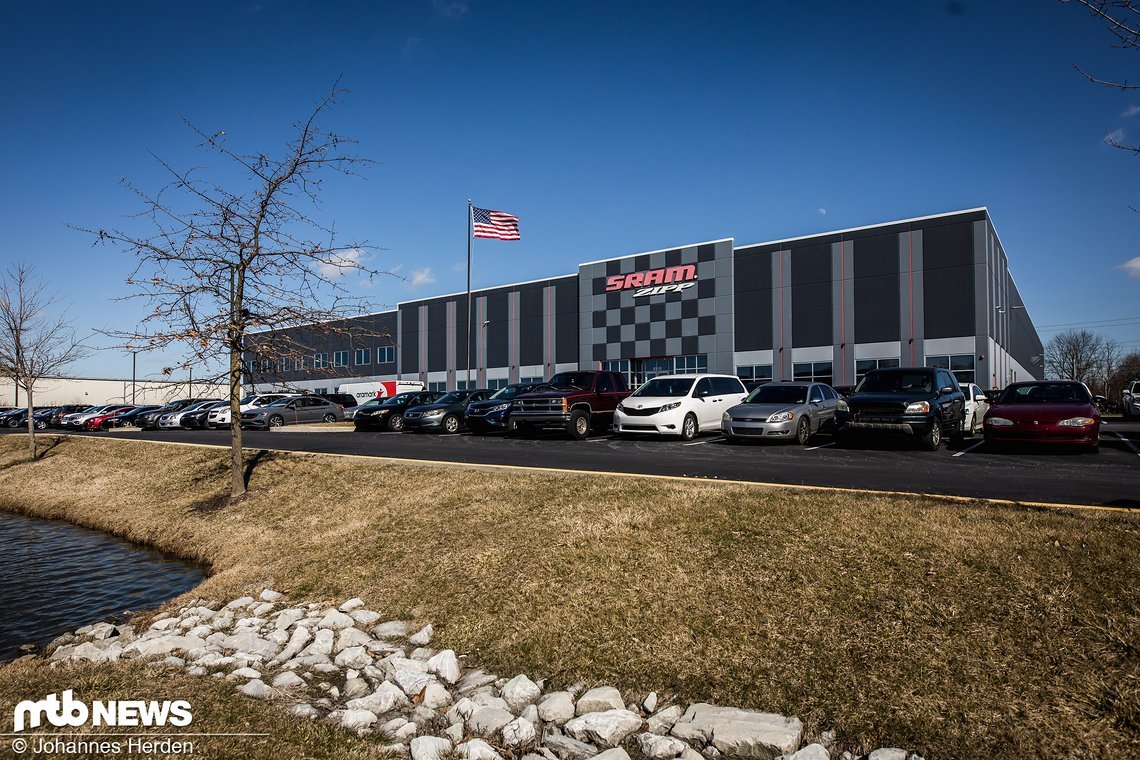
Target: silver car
x=292 y=411
x=782 y=411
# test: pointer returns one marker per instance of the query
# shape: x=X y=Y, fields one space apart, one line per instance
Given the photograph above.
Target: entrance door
x=643 y=370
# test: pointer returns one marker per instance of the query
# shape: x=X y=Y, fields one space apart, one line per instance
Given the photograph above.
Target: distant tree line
x=1095 y=360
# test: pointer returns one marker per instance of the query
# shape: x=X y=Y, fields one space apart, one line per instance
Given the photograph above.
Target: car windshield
x=778 y=394
x=280 y=402
x=454 y=397
x=399 y=399
x=509 y=392
x=579 y=380
x=660 y=387
x=1045 y=393
x=374 y=402
x=896 y=382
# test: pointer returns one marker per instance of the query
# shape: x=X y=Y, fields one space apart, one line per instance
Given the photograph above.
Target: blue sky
x=609 y=128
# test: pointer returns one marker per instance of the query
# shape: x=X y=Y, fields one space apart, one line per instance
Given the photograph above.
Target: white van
x=681 y=405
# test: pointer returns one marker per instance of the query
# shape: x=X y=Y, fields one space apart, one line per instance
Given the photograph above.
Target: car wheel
x=451 y=424
x=41 y=425
x=512 y=426
x=579 y=425
x=973 y=424
x=689 y=428
x=803 y=431
x=396 y=423
x=932 y=439
x=330 y=417
x=13 y=423
x=276 y=421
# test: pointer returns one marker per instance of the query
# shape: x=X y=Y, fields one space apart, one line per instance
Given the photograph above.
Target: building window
x=532 y=380
x=385 y=354
x=282 y=364
x=266 y=365
x=689 y=364
x=440 y=386
x=302 y=362
x=621 y=366
x=819 y=372
x=363 y=356
x=962 y=365
x=340 y=359
x=495 y=385
x=863 y=366
x=761 y=372
x=320 y=361
x=321 y=391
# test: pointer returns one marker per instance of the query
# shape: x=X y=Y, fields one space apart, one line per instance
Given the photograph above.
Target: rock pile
x=347 y=667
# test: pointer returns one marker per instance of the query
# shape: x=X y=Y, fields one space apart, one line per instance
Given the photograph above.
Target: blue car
x=494 y=414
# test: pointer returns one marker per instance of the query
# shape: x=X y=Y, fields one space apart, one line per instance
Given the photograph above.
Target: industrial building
x=935 y=291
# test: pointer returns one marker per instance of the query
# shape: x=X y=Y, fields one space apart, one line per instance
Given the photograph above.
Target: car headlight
x=781 y=417
x=433 y=412
x=918 y=407
x=499 y=408
x=669 y=406
x=998 y=422
x=725 y=417
x=1077 y=422
x=841 y=406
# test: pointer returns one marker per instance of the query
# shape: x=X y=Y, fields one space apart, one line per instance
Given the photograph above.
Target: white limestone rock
x=519 y=734
x=303 y=710
x=244 y=601
x=101 y=631
x=364 y=618
x=429 y=747
x=245 y=640
x=412 y=681
x=335 y=620
x=888 y=753
x=567 y=748
x=354 y=687
x=386 y=698
x=663 y=722
x=488 y=721
x=255 y=688
x=740 y=733
x=355 y=720
x=454 y=733
x=461 y=711
x=815 y=752
x=435 y=696
x=286 y=618
x=243 y=674
x=445 y=665
x=558 y=707
x=393 y=629
x=657 y=747
x=607 y=728
x=351 y=637
x=476 y=679
x=353 y=657
x=519 y=692
x=477 y=749
x=613 y=754
x=486 y=699
x=352 y=604
x=289 y=680
x=405 y=732
x=649 y=704
x=268 y=595
x=600 y=699
x=422 y=637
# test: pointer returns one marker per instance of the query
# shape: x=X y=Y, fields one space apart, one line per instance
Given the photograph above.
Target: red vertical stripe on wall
x=843 y=307
x=910 y=267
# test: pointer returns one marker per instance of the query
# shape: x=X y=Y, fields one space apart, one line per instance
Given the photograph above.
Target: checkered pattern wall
x=697 y=320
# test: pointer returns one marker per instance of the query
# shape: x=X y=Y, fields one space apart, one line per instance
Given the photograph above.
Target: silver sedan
x=782 y=411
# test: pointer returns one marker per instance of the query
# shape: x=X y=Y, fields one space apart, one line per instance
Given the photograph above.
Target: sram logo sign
x=71 y=712
x=654 y=282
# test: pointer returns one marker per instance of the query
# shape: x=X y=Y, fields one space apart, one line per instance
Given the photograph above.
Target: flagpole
x=470 y=237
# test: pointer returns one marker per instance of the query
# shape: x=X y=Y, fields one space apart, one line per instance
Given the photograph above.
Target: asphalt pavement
x=1047 y=475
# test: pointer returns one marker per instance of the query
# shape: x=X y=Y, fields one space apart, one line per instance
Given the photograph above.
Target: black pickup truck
x=578 y=402
x=921 y=402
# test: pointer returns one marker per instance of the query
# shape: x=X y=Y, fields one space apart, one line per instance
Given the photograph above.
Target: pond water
x=56 y=577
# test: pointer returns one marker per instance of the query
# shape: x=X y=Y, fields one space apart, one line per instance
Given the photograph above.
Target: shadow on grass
x=219 y=473
x=44 y=449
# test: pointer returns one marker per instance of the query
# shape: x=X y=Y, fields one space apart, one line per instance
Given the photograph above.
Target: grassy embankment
x=954 y=628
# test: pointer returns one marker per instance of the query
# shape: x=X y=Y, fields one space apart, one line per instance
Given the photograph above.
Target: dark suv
x=921 y=402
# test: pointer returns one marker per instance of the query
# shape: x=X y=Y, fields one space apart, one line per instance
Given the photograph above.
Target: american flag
x=494 y=224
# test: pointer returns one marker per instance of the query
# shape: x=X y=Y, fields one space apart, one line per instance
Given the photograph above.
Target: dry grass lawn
x=956 y=629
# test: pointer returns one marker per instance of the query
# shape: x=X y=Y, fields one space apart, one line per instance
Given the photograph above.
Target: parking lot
x=1032 y=475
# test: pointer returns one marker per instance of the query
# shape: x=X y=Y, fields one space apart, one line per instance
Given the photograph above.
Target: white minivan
x=681 y=405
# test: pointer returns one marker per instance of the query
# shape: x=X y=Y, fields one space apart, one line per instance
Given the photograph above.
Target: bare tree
x=1122 y=19
x=34 y=342
x=224 y=264
x=1073 y=355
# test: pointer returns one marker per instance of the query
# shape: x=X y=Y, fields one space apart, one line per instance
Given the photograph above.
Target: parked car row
x=925 y=404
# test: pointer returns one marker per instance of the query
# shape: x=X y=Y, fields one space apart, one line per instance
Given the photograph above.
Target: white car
x=220 y=417
x=976 y=407
x=173 y=421
x=79 y=419
x=681 y=405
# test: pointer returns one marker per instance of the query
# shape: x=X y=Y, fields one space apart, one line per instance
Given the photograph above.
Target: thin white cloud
x=421 y=277
x=1131 y=111
x=1115 y=137
x=451 y=9
x=1131 y=267
x=338 y=264
x=459 y=267
x=823 y=212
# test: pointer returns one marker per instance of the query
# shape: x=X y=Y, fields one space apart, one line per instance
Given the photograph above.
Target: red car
x=1044 y=411
x=96 y=422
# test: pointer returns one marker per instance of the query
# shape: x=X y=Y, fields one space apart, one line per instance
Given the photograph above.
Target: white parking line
x=599 y=440
x=707 y=440
x=971 y=448
x=1128 y=443
x=821 y=446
